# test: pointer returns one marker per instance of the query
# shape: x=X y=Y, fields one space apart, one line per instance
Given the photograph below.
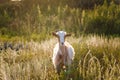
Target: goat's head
x=61 y=35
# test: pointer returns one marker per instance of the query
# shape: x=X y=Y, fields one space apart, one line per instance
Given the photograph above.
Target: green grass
x=41 y=19
x=96 y=58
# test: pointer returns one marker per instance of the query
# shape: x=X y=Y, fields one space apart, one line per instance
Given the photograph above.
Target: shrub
x=38 y=18
x=103 y=20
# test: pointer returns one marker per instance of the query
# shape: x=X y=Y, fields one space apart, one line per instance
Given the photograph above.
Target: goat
x=63 y=53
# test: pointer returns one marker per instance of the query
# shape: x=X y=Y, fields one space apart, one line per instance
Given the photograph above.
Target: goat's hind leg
x=69 y=69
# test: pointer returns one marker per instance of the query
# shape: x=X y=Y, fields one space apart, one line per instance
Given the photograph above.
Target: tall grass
x=96 y=58
x=38 y=20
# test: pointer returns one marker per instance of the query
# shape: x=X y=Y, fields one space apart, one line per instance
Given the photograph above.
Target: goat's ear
x=54 y=34
x=68 y=34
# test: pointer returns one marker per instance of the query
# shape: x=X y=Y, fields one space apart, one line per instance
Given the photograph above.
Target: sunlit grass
x=96 y=58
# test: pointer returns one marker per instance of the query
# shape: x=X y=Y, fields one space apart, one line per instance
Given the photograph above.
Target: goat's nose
x=62 y=43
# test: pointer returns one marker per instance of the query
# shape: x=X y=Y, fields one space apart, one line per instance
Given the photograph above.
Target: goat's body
x=62 y=55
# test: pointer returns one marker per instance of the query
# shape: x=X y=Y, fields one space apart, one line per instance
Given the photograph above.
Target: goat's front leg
x=58 y=69
x=57 y=62
x=64 y=62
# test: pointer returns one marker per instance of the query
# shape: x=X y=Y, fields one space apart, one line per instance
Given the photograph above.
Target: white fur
x=61 y=35
x=66 y=51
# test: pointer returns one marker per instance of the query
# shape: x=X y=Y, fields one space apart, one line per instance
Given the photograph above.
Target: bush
x=5 y=19
x=103 y=20
x=37 y=18
x=103 y=25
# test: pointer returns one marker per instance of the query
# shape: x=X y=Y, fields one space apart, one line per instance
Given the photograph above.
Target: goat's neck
x=62 y=49
x=63 y=52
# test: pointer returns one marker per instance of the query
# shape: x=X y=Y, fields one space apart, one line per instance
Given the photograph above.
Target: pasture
x=96 y=58
x=26 y=43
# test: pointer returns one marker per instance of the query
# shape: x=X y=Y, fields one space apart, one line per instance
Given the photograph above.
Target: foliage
x=104 y=20
x=31 y=23
x=40 y=19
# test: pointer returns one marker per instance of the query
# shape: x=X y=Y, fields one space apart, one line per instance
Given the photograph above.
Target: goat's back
x=70 y=49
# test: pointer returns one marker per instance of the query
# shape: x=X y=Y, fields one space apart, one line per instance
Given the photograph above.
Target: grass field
x=96 y=58
x=28 y=25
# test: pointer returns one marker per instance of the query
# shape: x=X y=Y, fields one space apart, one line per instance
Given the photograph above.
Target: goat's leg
x=69 y=62
x=56 y=62
x=58 y=69
x=64 y=62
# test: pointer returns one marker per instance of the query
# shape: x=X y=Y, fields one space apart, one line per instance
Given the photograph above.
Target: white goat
x=63 y=53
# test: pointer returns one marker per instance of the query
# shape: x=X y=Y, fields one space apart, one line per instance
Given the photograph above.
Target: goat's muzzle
x=62 y=43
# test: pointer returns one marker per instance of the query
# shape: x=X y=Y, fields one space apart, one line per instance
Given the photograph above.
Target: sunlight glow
x=15 y=0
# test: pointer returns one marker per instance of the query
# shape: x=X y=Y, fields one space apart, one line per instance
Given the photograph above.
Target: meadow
x=96 y=58
x=95 y=38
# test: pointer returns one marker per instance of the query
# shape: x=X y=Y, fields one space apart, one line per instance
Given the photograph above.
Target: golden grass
x=96 y=58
